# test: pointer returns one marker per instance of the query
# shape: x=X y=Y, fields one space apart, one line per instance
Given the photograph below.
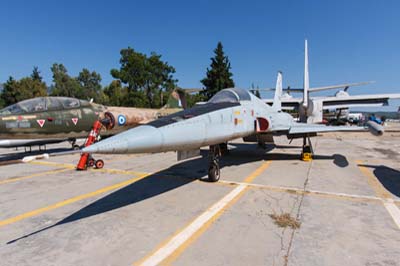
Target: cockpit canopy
x=232 y=95
x=41 y=104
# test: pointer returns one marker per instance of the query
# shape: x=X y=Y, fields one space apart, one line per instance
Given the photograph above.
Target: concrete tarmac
x=149 y=209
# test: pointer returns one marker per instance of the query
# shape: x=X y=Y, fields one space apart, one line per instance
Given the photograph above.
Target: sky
x=349 y=41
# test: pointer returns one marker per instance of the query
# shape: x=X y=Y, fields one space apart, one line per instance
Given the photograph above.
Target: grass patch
x=285 y=220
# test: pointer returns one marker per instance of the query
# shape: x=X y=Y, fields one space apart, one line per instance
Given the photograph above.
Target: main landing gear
x=307 y=152
x=213 y=163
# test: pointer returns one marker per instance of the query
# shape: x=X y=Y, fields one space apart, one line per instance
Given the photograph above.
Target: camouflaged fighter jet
x=45 y=120
x=230 y=114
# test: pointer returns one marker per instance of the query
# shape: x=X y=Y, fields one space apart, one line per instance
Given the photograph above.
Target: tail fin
x=177 y=99
x=306 y=84
x=277 y=105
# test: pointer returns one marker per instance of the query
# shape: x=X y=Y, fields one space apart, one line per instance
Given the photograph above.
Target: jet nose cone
x=109 y=145
x=136 y=140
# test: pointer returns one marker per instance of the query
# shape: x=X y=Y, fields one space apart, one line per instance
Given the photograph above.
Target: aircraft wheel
x=99 y=164
x=76 y=147
x=91 y=162
x=213 y=172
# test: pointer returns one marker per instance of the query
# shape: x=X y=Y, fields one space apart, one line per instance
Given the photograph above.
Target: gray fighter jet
x=230 y=114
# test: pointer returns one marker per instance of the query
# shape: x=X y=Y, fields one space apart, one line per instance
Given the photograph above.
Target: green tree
x=218 y=77
x=2 y=103
x=11 y=92
x=25 y=88
x=36 y=74
x=116 y=94
x=31 y=88
x=64 y=85
x=192 y=99
x=144 y=75
x=90 y=85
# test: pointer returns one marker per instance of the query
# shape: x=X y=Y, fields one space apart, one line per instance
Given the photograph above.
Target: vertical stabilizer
x=306 y=84
x=278 y=92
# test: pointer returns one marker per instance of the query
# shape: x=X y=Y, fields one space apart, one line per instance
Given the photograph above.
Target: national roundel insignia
x=121 y=120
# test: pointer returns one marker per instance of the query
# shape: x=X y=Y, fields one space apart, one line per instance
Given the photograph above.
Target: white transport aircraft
x=311 y=109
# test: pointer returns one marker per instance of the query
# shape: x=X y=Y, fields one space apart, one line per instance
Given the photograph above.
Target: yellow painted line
x=172 y=248
x=14 y=179
x=104 y=170
x=68 y=201
x=257 y=172
x=72 y=166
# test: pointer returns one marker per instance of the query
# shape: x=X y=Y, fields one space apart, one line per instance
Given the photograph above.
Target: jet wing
x=331 y=87
x=333 y=102
x=357 y=100
x=301 y=128
x=344 y=86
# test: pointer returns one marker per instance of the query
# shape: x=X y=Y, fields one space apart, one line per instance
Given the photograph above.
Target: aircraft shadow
x=388 y=177
x=338 y=159
x=169 y=179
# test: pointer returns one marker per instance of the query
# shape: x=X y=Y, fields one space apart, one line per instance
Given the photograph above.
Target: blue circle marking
x=121 y=120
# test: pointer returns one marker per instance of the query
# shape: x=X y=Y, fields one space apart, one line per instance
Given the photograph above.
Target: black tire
x=76 y=147
x=213 y=172
x=99 y=164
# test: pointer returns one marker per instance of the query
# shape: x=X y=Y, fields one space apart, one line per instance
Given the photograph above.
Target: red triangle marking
x=74 y=120
x=41 y=122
